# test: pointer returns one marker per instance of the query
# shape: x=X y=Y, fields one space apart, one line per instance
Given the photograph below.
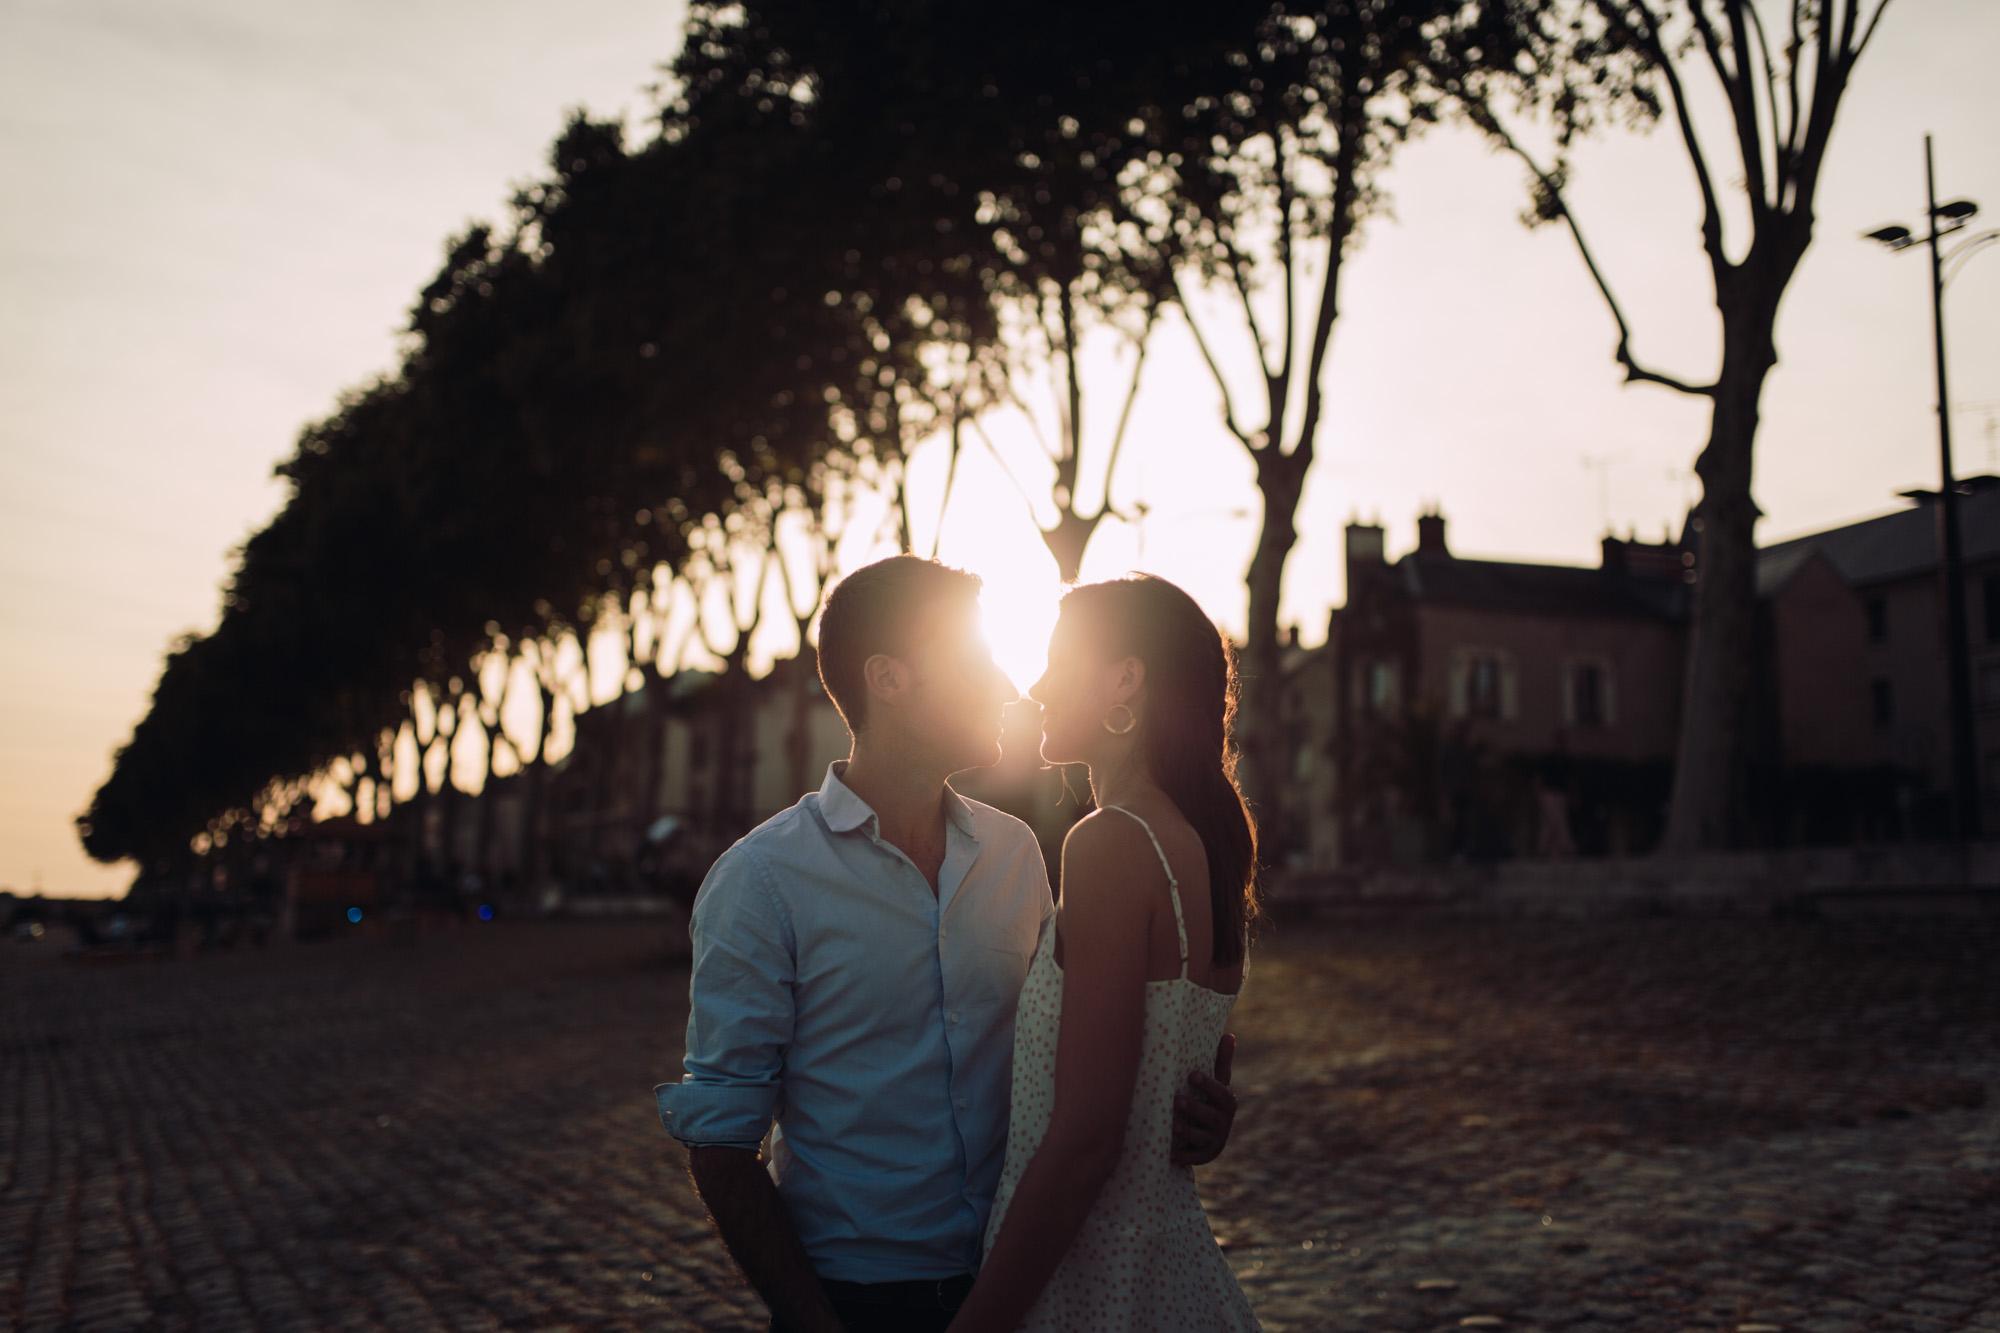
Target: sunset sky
x=221 y=213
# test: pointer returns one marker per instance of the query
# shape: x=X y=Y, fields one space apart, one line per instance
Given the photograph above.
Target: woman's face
x=1076 y=692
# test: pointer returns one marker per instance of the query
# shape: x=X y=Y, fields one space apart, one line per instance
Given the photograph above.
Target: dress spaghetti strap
x=1173 y=885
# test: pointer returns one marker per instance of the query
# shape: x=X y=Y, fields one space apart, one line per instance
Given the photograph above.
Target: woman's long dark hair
x=1191 y=691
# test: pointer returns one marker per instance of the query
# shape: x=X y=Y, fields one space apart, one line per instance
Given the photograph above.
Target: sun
x=1017 y=612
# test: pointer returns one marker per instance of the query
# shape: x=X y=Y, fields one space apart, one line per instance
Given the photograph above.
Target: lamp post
x=1946 y=219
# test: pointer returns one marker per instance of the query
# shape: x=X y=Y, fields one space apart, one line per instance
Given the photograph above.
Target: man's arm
x=740 y=1014
x=1205 y=1111
x=758 y=1231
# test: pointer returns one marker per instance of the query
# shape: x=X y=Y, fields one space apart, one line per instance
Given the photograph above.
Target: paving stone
x=1724 y=1122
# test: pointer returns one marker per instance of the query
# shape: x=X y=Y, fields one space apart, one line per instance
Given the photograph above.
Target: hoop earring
x=1131 y=720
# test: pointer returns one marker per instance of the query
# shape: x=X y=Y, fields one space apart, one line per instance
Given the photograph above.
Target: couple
x=967 y=1078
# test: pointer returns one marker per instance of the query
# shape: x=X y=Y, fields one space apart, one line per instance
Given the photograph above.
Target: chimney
x=1644 y=560
x=1430 y=535
x=1364 y=544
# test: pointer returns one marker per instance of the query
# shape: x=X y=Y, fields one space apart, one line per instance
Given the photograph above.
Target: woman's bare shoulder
x=1108 y=847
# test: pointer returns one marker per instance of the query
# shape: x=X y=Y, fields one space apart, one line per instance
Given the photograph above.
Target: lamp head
x=1958 y=210
x=1895 y=237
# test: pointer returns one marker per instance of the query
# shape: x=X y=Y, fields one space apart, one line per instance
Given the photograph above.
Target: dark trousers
x=893 y=1307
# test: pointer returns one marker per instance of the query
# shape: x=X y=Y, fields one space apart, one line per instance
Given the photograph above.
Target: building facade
x=1470 y=710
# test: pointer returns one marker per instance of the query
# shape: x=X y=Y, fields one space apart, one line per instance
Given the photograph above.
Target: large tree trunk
x=1711 y=763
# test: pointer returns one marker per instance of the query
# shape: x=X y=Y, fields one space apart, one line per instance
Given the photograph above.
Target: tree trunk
x=489 y=795
x=448 y=793
x=798 y=741
x=732 y=759
x=1710 y=773
x=1068 y=540
x=656 y=749
x=535 y=817
x=1260 y=720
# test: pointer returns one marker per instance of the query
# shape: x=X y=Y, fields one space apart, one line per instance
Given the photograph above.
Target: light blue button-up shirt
x=873 y=1021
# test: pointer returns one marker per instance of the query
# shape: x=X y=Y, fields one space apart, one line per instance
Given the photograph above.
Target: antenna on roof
x=1601 y=465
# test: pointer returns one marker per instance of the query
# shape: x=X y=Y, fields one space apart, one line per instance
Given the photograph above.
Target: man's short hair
x=886 y=607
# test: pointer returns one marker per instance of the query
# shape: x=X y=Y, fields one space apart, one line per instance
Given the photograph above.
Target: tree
x=1782 y=93
x=1263 y=166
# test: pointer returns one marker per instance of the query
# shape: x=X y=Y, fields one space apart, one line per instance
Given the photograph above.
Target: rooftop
x=1893 y=546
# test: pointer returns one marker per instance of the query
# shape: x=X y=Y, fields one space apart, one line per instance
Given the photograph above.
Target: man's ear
x=887 y=678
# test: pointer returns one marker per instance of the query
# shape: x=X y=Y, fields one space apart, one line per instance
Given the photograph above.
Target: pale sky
x=223 y=211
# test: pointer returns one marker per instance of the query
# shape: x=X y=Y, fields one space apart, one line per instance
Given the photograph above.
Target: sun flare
x=1017 y=612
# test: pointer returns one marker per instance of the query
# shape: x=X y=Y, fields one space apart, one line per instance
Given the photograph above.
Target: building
x=1480 y=709
x=1485 y=708
x=1859 y=711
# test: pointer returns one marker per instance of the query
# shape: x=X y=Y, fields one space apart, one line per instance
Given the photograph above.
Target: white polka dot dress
x=1145 y=1258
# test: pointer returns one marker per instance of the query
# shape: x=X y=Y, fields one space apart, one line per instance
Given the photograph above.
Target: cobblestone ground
x=1658 y=1124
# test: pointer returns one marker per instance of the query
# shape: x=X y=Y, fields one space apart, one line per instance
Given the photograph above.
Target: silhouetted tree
x=1782 y=88
x=1264 y=165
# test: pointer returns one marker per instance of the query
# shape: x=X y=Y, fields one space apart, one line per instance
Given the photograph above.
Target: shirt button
x=953 y=1015
x=962 y=1103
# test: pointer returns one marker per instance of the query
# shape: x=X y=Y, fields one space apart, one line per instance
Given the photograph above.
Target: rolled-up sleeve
x=740 y=1009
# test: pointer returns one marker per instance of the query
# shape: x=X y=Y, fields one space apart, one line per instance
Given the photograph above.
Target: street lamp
x=1946 y=219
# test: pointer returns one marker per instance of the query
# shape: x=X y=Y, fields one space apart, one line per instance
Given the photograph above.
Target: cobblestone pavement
x=1657 y=1124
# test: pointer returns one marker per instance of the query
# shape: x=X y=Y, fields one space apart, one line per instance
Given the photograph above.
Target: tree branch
x=1072 y=410
x=1770 y=67
x=1346 y=188
x=1012 y=398
x=1711 y=211
x=1125 y=413
x=979 y=429
x=1233 y=261
x=1829 y=83
x=1794 y=48
x=1285 y=200
x=1868 y=31
x=1214 y=369
x=951 y=466
x=1634 y=372
x=1743 y=103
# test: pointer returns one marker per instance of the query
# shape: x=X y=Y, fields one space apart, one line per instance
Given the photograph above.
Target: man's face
x=954 y=711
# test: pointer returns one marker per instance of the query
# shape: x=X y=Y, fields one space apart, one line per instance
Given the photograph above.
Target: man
x=857 y=960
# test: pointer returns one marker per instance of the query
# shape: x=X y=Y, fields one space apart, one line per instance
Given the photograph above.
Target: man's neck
x=906 y=796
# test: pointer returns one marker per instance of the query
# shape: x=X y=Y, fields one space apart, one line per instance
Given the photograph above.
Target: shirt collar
x=844 y=811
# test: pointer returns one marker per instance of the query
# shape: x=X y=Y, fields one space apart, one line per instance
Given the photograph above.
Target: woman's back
x=1145 y=1257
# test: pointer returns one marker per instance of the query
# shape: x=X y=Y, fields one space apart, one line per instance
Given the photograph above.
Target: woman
x=1132 y=983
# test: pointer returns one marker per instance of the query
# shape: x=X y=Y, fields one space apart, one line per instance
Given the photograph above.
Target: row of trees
x=853 y=229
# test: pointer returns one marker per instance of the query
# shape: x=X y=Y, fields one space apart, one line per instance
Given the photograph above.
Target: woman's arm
x=1110 y=882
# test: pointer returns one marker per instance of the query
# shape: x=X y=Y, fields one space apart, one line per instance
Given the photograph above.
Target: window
x=1587 y=694
x=1878 y=620
x=1885 y=711
x=1382 y=688
x=1991 y=585
x=1482 y=685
